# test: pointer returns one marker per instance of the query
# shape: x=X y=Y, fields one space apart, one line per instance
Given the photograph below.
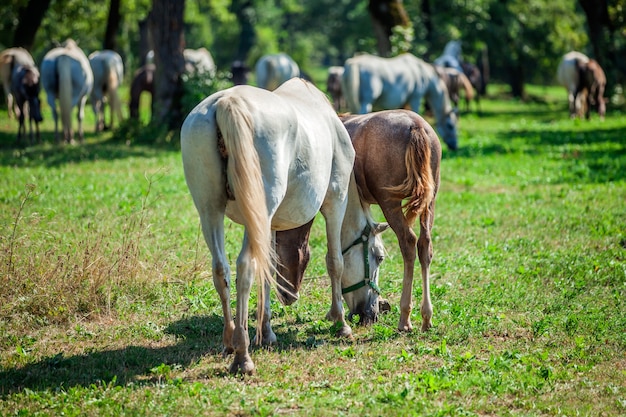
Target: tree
x=113 y=24
x=604 y=23
x=166 y=26
x=385 y=15
x=29 y=20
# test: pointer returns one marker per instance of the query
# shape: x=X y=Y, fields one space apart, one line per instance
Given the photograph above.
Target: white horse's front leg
x=268 y=337
x=334 y=265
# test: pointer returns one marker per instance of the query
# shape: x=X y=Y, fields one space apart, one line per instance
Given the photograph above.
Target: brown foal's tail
x=419 y=185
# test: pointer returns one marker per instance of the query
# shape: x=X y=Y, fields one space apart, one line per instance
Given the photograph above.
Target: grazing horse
x=9 y=59
x=455 y=82
x=380 y=139
x=271 y=161
x=199 y=61
x=451 y=56
x=592 y=82
x=333 y=86
x=143 y=80
x=108 y=75
x=371 y=83
x=274 y=69
x=25 y=88
x=66 y=74
x=476 y=79
x=584 y=81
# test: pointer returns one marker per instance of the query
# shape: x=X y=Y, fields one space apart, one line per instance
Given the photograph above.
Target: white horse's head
x=361 y=263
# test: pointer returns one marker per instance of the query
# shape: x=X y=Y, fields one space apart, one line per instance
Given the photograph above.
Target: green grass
x=107 y=305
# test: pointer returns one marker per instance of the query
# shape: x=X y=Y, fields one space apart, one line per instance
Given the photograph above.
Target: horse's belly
x=294 y=213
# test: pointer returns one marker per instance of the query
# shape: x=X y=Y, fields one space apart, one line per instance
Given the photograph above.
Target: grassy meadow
x=107 y=305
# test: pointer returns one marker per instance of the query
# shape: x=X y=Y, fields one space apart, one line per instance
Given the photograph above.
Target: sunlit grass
x=107 y=305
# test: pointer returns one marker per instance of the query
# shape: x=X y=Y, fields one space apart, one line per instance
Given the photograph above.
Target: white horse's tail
x=113 y=84
x=245 y=179
x=64 y=72
x=350 y=86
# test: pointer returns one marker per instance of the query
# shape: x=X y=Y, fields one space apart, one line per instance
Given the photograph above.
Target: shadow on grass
x=49 y=154
x=197 y=336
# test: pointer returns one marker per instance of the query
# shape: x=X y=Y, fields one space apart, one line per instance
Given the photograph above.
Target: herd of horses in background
x=69 y=76
x=271 y=156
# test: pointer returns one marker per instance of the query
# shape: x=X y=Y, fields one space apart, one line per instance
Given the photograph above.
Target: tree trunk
x=428 y=26
x=113 y=24
x=166 y=26
x=244 y=10
x=602 y=36
x=145 y=41
x=386 y=14
x=29 y=18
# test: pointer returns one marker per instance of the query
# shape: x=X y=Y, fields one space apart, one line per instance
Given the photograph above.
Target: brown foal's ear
x=380 y=227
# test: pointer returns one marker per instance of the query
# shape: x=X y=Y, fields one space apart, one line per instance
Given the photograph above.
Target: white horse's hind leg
x=81 y=116
x=213 y=232
x=242 y=363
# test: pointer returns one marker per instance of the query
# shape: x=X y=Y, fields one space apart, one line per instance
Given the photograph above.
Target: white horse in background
x=274 y=69
x=373 y=83
x=108 y=75
x=10 y=59
x=569 y=76
x=199 y=61
x=66 y=74
x=271 y=161
x=451 y=56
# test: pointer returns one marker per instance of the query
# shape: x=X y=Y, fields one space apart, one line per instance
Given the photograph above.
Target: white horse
x=373 y=83
x=568 y=75
x=199 y=61
x=108 y=75
x=274 y=69
x=10 y=59
x=451 y=56
x=271 y=161
x=67 y=75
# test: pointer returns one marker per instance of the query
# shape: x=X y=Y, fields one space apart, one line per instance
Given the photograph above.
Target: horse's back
x=107 y=67
x=384 y=83
x=382 y=137
x=301 y=145
x=79 y=67
x=10 y=59
x=274 y=69
x=567 y=71
x=199 y=61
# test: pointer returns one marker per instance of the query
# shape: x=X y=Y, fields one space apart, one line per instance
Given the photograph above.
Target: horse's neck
x=356 y=216
x=438 y=99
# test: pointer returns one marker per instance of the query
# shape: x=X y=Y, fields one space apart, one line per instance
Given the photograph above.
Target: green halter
x=367 y=281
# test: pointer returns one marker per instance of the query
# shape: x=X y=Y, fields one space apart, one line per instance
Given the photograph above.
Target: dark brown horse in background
x=25 y=88
x=591 y=85
x=143 y=80
x=381 y=140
